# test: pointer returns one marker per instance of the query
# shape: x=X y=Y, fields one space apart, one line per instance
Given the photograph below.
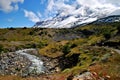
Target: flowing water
x=36 y=64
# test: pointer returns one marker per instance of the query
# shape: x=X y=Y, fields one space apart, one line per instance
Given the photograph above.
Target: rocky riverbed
x=13 y=64
x=27 y=62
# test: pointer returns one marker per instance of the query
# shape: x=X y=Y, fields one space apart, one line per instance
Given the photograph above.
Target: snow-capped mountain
x=81 y=15
x=109 y=19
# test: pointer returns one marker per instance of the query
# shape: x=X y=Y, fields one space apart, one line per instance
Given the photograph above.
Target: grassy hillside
x=79 y=49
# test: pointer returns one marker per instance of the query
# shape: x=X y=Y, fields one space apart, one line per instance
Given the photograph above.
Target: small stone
x=57 y=69
x=108 y=77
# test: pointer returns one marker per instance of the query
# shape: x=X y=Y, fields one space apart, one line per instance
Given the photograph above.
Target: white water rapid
x=36 y=64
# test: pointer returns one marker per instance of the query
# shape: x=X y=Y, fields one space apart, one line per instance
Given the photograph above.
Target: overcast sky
x=20 y=13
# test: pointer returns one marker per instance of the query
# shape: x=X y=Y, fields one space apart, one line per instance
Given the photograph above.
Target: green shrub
x=11 y=28
x=30 y=45
x=31 y=33
x=41 y=44
x=66 y=49
x=1 y=48
x=105 y=57
x=95 y=39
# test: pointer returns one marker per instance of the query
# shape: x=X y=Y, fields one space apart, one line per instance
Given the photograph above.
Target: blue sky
x=20 y=13
x=16 y=18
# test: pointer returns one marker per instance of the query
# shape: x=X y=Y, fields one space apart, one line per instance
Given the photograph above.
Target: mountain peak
x=82 y=15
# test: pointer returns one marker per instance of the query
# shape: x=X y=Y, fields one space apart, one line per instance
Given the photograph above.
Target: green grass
x=90 y=55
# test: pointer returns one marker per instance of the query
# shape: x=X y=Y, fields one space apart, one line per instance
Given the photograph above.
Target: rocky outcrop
x=90 y=76
x=13 y=64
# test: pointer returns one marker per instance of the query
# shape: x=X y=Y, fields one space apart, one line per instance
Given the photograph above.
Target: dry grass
x=110 y=68
x=56 y=76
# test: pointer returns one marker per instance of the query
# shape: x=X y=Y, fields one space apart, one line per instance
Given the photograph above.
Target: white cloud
x=9 y=5
x=58 y=5
x=42 y=1
x=115 y=2
x=31 y=16
x=98 y=3
x=39 y=14
x=55 y=6
x=90 y=3
x=10 y=20
x=51 y=5
x=65 y=7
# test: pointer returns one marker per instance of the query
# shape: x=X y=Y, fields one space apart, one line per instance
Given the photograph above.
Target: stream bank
x=26 y=63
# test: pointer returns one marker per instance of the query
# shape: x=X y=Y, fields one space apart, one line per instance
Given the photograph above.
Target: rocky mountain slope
x=109 y=19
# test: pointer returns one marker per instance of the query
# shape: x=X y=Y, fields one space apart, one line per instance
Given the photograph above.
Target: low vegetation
x=79 y=49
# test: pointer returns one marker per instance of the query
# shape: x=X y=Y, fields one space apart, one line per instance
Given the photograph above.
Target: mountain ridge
x=49 y=23
x=108 y=19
